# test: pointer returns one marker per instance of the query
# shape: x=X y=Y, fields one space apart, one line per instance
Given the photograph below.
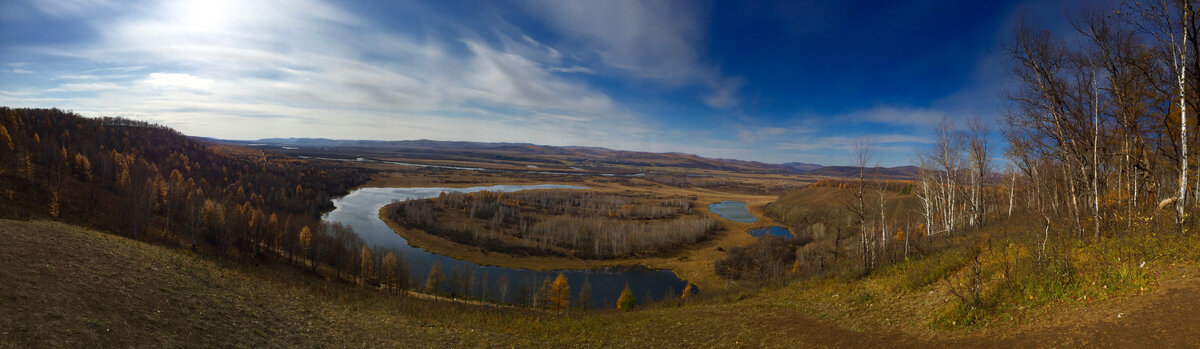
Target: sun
x=207 y=16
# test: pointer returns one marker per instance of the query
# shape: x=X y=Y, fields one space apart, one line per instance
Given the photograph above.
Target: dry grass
x=69 y=287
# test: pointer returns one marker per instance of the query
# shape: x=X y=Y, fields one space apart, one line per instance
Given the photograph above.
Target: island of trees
x=574 y=223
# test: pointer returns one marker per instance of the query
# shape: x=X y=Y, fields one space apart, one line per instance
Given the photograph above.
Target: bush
x=931 y=269
x=771 y=257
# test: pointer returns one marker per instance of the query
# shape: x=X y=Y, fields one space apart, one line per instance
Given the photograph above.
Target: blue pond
x=360 y=210
x=733 y=210
x=775 y=230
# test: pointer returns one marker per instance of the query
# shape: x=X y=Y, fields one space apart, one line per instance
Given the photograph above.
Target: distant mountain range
x=901 y=172
x=552 y=156
x=802 y=166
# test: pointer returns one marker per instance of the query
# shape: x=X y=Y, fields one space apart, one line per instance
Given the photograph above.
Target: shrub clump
x=771 y=257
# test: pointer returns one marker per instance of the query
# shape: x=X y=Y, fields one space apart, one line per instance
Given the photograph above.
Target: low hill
x=564 y=157
x=521 y=153
x=801 y=166
x=901 y=172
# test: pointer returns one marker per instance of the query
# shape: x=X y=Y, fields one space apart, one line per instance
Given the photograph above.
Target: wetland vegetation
x=564 y=223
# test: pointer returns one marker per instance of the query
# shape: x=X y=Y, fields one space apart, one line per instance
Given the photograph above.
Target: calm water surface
x=360 y=210
x=733 y=210
x=774 y=230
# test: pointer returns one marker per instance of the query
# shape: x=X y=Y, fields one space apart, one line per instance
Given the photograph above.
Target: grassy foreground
x=69 y=287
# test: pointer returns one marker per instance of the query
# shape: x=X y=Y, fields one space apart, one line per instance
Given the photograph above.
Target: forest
x=1094 y=178
x=151 y=183
x=583 y=224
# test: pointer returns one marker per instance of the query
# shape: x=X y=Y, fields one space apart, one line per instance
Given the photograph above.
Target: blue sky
x=766 y=81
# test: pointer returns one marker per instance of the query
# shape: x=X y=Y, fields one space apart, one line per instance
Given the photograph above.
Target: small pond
x=360 y=210
x=733 y=210
x=774 y=230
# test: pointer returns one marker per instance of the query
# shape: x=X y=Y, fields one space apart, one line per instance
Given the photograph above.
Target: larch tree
x=585 y=295
x=54 y=204
x=626 y=301
x=688 y=291
x=545 y=294
x=6 y=139
x=435 y=277
x=560 y=293
x=305 y=241
x=368 y=266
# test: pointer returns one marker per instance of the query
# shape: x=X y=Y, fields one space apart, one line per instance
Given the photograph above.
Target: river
x=360 y=210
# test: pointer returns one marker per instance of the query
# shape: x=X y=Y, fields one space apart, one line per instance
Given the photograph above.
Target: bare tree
x=857 y=205
x=947 y=156
x=980 y=157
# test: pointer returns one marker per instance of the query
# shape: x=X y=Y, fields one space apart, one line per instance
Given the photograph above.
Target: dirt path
x=1168 y=317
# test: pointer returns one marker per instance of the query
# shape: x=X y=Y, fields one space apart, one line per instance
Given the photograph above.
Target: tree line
x=152 y=183
x=1098 y=151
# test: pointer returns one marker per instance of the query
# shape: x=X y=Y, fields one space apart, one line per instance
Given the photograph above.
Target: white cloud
x=657 y=40
x=572 y=69
x=725 y=94
x=879 y=142
x=308 y=66
x=65 y=8
x=759 y=134
x=86 y=87
x=176 y=80
x=899 y=116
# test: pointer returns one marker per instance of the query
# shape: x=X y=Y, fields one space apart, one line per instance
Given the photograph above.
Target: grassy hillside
x=67 y=286
x=812 y=208
x=70 y=287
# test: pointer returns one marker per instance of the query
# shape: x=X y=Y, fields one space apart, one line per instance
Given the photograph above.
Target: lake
x=774 y=230
x=360 y=210
x=733 y=210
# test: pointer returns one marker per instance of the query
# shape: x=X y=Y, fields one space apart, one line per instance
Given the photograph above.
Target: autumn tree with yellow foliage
x=305 y=242
x=435 y=277
x=368 y=266
x=626 y=301
x=560 y=293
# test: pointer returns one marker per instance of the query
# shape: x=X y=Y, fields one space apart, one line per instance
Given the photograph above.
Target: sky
x=789 y=81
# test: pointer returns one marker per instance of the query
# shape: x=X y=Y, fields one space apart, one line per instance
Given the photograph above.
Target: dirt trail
x=1169 y=317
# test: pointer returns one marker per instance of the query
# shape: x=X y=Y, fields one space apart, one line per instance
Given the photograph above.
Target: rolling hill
x=901 y=172
x=576 y=158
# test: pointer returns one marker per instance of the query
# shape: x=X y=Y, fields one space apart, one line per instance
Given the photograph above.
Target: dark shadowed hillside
x=152 y=183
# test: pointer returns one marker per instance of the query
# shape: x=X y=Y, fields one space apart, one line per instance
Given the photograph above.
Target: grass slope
x=65 y=286
x=68 y=287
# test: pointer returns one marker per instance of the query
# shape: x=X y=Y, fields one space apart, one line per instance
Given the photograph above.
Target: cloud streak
x=655 y=40
x=656 y=76
x=307 y=60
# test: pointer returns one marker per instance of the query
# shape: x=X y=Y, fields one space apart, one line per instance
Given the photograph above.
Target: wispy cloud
x=628 y=75
x=86 y=87
x=882 y=142
x=310 y=61
x=655 y=40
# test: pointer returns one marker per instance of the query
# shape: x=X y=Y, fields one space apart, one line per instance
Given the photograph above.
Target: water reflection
x=733 y=210
x=360 y=210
